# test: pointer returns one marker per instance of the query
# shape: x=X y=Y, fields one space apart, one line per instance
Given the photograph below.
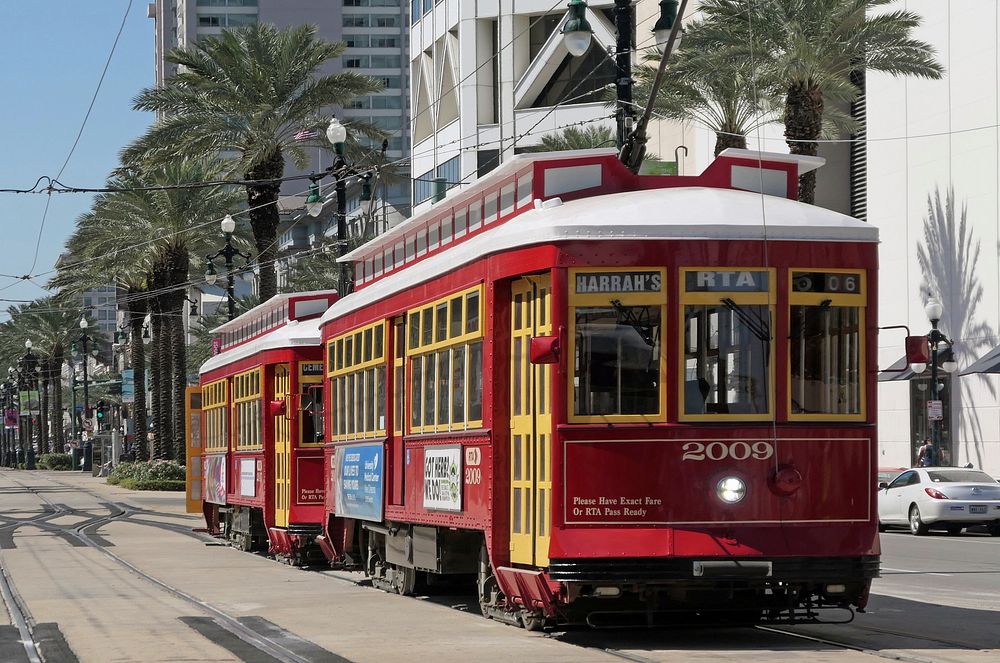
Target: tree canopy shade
x=809 y=49
x=243 y=95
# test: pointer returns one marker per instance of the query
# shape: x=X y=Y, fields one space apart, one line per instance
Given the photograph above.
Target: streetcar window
x=475 y=216
x=617 y=360
x=825 y=358
x=491 y=208
x=427 y=326
x=312 y=408
x=416 y=375
x=446 y=230
x=726 y=358
x=434 y=233
x=458 y=384
x=472 y=312
x=444 y=385
x=414 y=330
x=476 y=381
x=429 y=384
x=460 y=222
x=380 y=397
x=441 y=316
x=456 y=317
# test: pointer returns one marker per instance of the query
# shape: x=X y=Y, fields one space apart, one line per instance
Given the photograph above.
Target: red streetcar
x=262 y=428
x=611 y=397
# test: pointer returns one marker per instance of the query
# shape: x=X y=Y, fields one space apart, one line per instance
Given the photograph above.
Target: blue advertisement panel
x=358 y=470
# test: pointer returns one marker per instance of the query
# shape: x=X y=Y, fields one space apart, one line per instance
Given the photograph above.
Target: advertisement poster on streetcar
x=214 y=479
x=357 y=472
x=443 y=478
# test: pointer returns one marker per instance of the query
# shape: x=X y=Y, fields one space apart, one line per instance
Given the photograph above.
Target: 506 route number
x=723 y=450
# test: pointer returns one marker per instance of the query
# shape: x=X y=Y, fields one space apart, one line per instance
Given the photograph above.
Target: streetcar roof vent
x=516 y=186
x=273 y=314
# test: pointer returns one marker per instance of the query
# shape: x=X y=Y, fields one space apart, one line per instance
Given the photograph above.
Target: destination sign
x=725 y=281
x=637 y=281
x=827 y=282
x=312 y=368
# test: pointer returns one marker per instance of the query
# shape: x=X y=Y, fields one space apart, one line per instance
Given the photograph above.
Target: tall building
x=491 y=78
x=933 y=181
x=376 y=35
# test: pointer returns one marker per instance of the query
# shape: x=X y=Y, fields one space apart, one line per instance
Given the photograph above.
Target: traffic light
x=101 y=408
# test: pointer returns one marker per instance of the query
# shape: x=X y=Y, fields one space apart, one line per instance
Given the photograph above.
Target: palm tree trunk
x=264 y=220
x=140 y=425
x=160 y=367
x=58 y=434
x=180 y=264
x=803 y=127
x=729 y=139
x=43 y=417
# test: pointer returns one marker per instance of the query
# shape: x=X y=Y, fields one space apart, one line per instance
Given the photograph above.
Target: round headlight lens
x=731 y=490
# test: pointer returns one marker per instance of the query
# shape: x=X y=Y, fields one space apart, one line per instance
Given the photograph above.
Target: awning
x=988 y=363
x=900 y=369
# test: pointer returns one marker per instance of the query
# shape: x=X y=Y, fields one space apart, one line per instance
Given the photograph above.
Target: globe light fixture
x=918 y=368
x=577 y=32
x=228 y=224
x=950 y=366
x=210 y=276
x=665 y=24
x=83 y=323
x=314 y=203
x=933 y=309
x=336 y=133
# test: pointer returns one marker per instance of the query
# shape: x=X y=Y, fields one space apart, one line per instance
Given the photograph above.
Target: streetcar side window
x=826 y=344
x=444 y=359
x=215 y=416
x=358 y=387
x=728 y=338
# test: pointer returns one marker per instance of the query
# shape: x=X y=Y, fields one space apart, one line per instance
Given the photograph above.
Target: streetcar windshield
x=726 y=358
x=617 y=360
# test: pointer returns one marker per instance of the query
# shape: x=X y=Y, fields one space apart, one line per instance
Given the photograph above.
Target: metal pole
x=72 y=417
x=341 y=189
x=625 y=114
x=935 y=423
x=230 y=285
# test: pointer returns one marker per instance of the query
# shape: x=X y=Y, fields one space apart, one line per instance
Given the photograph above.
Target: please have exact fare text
x=613 y=506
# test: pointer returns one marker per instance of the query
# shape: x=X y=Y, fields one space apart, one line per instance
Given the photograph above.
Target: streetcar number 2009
x=723 y=450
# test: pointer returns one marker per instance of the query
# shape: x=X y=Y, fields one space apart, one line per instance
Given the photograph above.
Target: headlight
x=731 y=490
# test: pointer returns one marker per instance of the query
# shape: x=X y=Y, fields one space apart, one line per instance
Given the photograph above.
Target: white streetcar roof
x=293 y=334
x=686 y=213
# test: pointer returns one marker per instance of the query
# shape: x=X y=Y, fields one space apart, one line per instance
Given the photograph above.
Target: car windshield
x=959 y=476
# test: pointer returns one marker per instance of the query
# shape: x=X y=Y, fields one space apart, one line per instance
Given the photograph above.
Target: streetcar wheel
x=532 y=621
x=954 y=530
x=404 y=580
x=917 y=526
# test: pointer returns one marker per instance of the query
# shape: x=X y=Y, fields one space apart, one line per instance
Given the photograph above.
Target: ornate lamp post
x=935 y=337
x=227 y=253
x=94 y=350
x=29 y=378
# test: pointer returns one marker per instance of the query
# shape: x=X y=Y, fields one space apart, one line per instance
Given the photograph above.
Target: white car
x=948 y=498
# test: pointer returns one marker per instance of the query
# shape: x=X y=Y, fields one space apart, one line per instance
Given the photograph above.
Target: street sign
x=88 y=425
x=934 y=411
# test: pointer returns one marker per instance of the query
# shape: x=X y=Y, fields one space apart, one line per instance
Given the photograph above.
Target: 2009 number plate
x=977 y=508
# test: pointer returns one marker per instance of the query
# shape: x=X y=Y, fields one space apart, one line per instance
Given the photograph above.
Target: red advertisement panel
x=684 y=482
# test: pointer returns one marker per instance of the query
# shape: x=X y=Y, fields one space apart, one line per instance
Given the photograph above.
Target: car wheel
x=954 y=530
x=994 y=530
x=917 y=526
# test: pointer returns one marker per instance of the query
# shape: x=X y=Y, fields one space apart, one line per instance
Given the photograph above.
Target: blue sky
x=52 y=53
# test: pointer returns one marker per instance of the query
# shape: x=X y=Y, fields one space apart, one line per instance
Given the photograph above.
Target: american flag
x=306 y=134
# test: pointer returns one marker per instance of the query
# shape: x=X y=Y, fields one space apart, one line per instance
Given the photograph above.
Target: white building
x=929 y=139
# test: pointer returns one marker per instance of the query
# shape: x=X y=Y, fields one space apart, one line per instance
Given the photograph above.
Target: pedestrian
x=927 y=455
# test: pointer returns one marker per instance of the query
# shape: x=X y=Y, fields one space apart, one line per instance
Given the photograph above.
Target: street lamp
x=227 y=252
x=934 y=310
x=85 y=340
x=29 y=375
x=577 y=33
x=336 y=133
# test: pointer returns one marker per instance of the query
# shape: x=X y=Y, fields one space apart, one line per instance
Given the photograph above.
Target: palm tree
x=727 y=96
x=247 y=92
x=52 y=323
x=172 y=224
x=810 y=48
x=575 y=138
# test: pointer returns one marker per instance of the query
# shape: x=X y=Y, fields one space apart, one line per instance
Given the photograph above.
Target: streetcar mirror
x=276 y=408
x=917 y=350
x=544 y=350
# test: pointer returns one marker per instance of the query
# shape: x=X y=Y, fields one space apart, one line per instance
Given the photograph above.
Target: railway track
x=270 y=644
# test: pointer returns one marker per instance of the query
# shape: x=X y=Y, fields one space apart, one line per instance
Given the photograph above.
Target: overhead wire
x=79 y=134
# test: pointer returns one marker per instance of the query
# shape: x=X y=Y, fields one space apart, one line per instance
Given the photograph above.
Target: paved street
x=67 y=571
